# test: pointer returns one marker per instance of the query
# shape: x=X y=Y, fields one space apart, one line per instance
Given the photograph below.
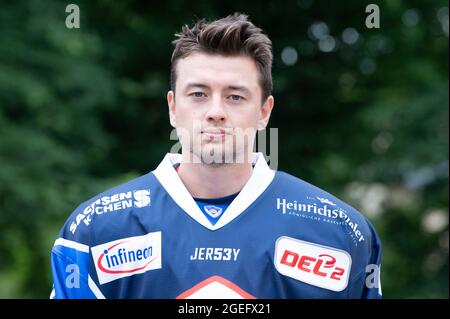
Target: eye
x=236 y=98
x=198 y=94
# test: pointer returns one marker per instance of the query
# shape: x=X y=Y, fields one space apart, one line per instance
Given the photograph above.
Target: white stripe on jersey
x=72 y=244
x=95 y=290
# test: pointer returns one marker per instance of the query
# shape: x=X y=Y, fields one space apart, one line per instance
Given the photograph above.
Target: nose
x=216 y=111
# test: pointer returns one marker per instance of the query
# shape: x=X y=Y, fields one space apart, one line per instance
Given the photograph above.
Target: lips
x=215 y=133
x=215 y=130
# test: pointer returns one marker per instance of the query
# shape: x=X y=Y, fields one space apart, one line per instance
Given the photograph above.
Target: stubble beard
x=219 y=154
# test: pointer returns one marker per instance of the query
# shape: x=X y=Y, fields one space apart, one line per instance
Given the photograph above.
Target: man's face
x=217 y=107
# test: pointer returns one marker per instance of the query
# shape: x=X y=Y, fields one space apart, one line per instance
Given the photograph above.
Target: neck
x=214 y=180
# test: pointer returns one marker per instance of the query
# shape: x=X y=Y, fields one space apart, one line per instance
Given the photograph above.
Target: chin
x=215 y=155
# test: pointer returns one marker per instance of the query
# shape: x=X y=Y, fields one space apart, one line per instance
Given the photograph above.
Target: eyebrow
x=196 y=85
x=239 y=88
x=230 y=87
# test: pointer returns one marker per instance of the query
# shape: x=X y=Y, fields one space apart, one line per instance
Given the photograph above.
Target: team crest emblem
x=213 y=211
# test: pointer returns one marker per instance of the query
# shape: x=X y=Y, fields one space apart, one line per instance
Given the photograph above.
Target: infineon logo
x=314 y=264
x=107 y=204
x=127 y=256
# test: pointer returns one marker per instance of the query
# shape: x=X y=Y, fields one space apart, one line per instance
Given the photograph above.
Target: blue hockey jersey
x=279 y=238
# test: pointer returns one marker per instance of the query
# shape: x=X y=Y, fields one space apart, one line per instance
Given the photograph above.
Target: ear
x=171 y=104
x=266 y=110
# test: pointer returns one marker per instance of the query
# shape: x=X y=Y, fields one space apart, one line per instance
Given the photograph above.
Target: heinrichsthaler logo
x=106 y=204
x=325 y=211
x=127 y=256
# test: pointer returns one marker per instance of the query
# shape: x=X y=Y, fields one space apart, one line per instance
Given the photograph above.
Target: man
x=215 y=221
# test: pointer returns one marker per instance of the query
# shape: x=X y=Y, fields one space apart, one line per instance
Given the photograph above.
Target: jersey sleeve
x=372 y=287
x=69 y=266
x=367 y=284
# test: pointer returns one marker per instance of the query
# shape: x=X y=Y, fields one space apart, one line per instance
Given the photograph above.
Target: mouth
x=214 y=133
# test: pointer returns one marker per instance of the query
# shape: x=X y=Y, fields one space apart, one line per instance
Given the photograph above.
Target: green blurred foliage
x=84 y=109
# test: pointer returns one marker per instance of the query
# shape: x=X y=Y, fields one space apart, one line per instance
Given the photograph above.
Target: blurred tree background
x=361 y=113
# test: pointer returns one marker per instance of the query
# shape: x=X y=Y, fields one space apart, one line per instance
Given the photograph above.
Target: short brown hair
x=233 y=35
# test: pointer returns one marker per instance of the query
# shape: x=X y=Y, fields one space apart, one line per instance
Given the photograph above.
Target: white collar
x=261 y=177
